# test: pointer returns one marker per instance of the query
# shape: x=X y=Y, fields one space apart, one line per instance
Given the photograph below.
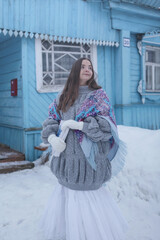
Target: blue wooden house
x=40 y=40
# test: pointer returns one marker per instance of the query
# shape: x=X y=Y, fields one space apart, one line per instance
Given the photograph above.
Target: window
x=152 y=64
x=54 y=61
x=149 y=84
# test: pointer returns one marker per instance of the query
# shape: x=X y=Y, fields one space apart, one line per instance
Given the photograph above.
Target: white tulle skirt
x=82 y=215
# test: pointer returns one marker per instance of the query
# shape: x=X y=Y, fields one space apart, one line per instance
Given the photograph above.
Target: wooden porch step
x=8 y=167
x=11 y=160
x=9 y=155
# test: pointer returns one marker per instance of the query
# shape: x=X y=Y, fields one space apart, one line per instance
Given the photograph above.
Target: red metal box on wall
x=14 y=87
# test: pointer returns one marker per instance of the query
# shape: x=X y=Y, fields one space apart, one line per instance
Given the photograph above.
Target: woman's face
x=85 y=72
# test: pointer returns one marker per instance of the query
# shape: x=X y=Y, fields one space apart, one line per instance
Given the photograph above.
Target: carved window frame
x=152 y=94
x=48 y=53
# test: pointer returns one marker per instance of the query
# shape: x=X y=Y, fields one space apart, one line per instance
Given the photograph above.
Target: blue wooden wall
x=133 y=112
x=36 y=104
x=106 y=70
x=59 y=18
x=143 y=115
x=11 y=108
x=134 y=18
x=139 y=115
x=32 y=138
x=10 y=67
x=13 y=137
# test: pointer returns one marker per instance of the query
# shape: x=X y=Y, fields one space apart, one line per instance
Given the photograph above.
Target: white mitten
x=57 y=143
x=72 y=124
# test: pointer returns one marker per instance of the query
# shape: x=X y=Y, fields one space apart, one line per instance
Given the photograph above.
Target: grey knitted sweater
x=71 y=167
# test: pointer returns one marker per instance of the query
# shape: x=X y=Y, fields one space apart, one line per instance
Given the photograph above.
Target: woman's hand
x=57 y=143
x=72 y=124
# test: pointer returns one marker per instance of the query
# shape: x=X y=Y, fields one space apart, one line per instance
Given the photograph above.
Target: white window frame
x=153 y=65
x=39 y=76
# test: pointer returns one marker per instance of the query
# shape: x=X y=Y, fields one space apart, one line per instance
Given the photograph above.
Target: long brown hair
x=71 y=88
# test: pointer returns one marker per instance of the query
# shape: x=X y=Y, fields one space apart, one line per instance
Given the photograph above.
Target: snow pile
x=136 y=188
x=24 y=194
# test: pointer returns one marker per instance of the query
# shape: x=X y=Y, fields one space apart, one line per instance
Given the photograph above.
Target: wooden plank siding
x=11 y=110
x=106 y=70
x=58 y=18
x=13 y=137
x=37 y=103
x=32 y=138
x=146 y=3
x=135 y=113
x=143 y=115
x=134 y=18
x=10 y=67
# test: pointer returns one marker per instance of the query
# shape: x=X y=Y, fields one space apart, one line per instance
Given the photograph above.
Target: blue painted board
x=67 y=18
x=11 y=111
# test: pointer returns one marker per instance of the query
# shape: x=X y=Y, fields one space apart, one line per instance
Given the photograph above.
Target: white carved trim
x=151 y=42
x=155 y=33
x=139 y=88
x=139 y=46
x=94 y=59
x=38 y=57
x=143 y=99
x=39 y=77
x=58 y=38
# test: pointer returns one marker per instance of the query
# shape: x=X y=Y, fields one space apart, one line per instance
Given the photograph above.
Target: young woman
x=80 y=207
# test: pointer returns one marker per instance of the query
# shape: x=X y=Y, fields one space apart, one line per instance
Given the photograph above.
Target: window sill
x=154 y=97
x=49 y=89
x=146 y=94
x=152 y=92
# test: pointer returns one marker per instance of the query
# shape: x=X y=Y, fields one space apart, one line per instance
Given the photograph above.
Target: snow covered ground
x=136 y=189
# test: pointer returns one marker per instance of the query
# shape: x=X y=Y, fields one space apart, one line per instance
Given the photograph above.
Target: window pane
x=86 y=55
x=63 y=55
x=148 y=78
x=66 y=44
x=157 y=78
x=61 y=78
x=153 y=56
x=61 y=75
x=44 y=62
x=47 y=79
x=60 y=81
x=66 y=49
x=49 y=62
x=86 y=47
x=157 y=57
x=150 y=56
x=46 y=44
x=66 y=62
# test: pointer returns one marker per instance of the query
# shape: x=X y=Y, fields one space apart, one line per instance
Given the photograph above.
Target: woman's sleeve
x=49 y=127
x=97 y=129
